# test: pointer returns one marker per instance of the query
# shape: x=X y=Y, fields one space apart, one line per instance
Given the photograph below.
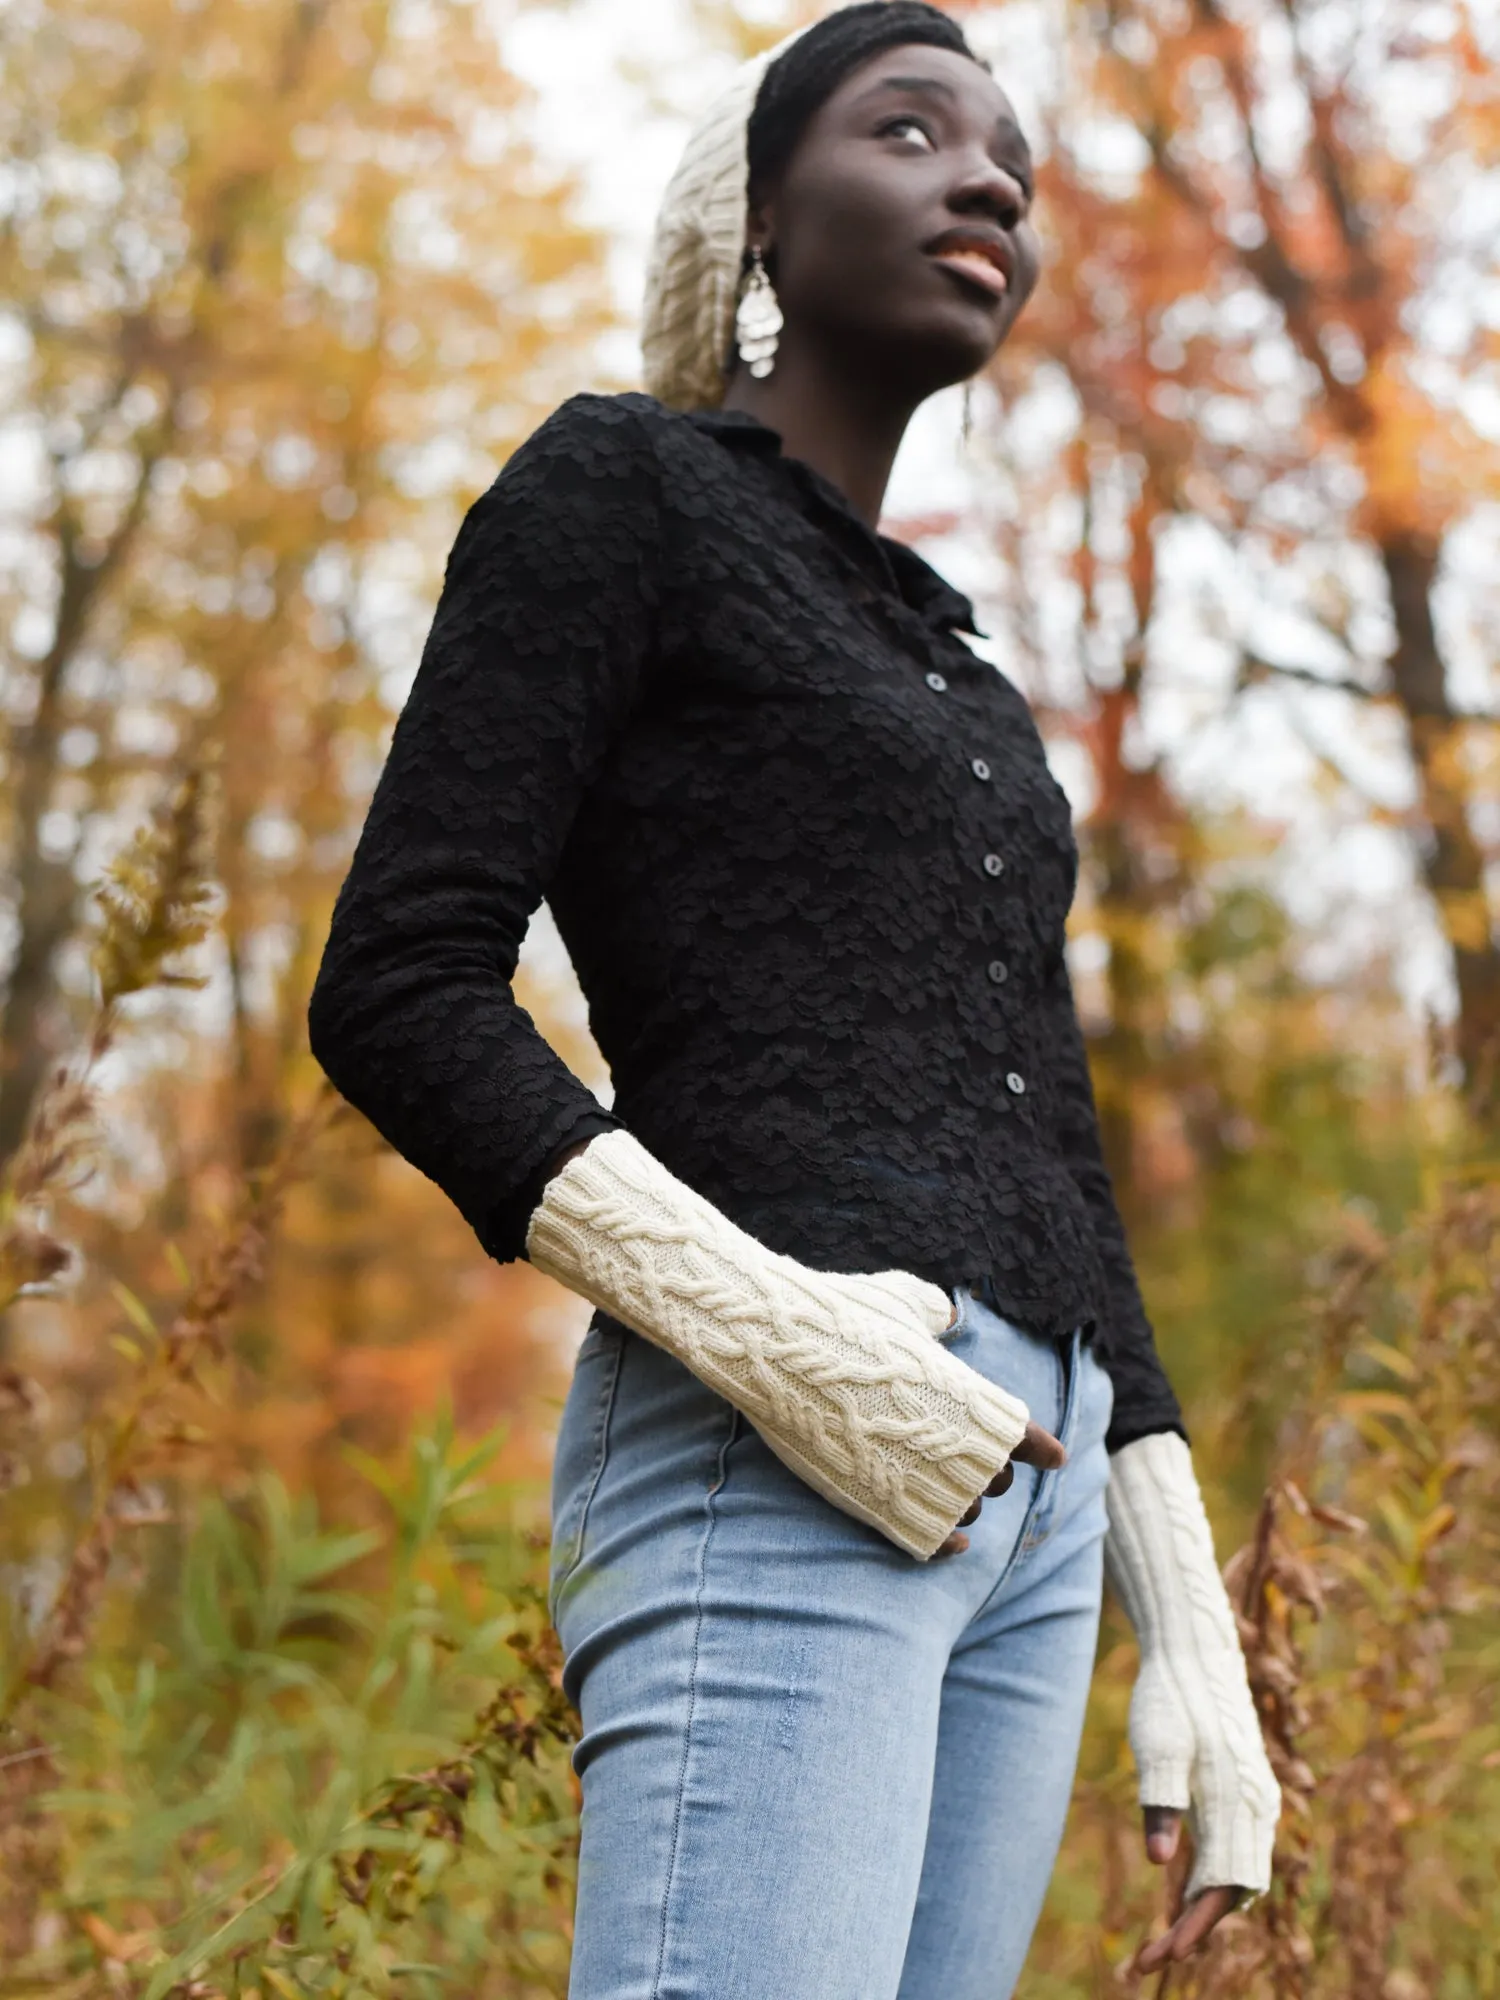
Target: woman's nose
x=990 y=189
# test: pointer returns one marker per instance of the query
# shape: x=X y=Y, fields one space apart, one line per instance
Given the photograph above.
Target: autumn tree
x=283 y=284
x=1269 y=293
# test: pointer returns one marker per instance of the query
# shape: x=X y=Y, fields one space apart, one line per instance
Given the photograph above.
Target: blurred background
x=282 y=282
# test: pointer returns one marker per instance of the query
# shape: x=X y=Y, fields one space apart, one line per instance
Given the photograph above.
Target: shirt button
x=993 y=865
x=1015 y=1083
x=937 y=683
x=999 y=972
x=980 y=769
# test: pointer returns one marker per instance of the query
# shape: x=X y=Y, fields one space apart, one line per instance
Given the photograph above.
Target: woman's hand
x=1189 y=1926
x=1039 y=1448
x=843 y=1374
x=1193 y=1725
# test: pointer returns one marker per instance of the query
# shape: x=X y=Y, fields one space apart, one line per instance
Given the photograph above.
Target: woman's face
x=898 y=234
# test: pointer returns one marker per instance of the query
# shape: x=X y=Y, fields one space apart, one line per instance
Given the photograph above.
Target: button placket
x=997 y=971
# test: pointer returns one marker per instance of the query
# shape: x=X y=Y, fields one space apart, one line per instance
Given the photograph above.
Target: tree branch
x=1255 y=667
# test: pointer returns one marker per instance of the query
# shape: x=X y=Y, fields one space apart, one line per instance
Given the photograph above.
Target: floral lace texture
x=804 y=849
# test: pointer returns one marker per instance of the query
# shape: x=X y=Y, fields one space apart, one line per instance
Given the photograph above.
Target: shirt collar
x=931 y=596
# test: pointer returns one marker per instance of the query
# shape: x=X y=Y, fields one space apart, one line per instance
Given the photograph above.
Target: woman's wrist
x=561 y=1158
x=1193 y=1723
x=843 y=1375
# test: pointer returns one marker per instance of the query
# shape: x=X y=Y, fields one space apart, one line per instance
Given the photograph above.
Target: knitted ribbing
x=1193 y=1726
x=693 y=270
x=842 y=1376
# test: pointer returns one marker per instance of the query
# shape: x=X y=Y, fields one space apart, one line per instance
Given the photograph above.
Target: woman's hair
x=745 y=139
x=802 y=78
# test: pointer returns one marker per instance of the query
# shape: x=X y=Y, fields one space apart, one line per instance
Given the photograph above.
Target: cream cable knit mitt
x=843 y=1376
x=1193 y=1726
x=693 y=270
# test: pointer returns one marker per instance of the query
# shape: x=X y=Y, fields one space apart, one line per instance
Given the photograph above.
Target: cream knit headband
x=693 y=274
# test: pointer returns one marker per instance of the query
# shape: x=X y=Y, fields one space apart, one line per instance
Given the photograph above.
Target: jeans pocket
x=1070 y=1359
x=1095 y=1397
x=582 y=1451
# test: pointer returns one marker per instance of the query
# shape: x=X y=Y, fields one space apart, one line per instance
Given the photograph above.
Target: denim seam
x=602 y=1420
x=687 y=1732
x=1047 y=1488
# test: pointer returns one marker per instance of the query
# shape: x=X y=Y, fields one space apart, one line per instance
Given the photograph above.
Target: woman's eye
x=912 y=127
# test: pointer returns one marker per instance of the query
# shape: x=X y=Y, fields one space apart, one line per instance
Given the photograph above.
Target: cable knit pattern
x=1193 y=1726
x=693 y=267
x=676 y=686
x=842 y=1375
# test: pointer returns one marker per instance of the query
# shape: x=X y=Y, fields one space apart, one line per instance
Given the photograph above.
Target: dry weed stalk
x=156 y=897
x=154 y=904
x=327 y=1929
x=516 y=1726
x=1369 y=1729
x=145 y=1428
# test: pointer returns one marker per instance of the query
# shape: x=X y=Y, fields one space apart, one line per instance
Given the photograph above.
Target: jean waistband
x=983 y=1289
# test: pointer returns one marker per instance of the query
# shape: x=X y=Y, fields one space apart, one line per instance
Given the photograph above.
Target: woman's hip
x=651 y=1465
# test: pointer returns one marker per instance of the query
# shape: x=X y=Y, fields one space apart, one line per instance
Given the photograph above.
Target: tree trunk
x=46 y=892
x=1451 y=860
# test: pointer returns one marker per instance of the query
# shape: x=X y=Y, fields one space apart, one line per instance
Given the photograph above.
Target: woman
x=854 y=1247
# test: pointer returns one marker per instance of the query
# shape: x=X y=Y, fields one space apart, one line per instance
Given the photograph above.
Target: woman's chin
x=950 y=354
x=955 y=339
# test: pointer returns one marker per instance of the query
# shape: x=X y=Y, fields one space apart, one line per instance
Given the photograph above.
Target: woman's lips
x=976 y=266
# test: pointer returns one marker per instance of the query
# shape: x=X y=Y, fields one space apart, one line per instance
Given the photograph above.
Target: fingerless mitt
x=843 y=1376
x=1193 y=1726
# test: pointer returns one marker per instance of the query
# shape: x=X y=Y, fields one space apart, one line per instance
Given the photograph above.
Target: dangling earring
x=757 y=320
x=968 y=419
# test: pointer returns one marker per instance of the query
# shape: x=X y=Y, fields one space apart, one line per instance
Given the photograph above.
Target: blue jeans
x=813 y=1768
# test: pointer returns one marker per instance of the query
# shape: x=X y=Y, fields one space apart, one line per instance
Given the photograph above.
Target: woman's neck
x=831 y=421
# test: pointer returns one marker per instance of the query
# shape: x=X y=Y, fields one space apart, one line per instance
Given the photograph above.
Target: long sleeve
x=533 y=660
x=1144 y=1398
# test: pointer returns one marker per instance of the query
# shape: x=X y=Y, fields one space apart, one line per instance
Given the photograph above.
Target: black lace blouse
x=805 y=851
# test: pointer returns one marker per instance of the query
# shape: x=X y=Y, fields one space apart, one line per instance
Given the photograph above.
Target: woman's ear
x=759 y=228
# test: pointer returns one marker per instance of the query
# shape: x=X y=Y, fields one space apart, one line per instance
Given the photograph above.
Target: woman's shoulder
x=624 y=421
x=617 y=455
x=613 y=449
x=592 y=479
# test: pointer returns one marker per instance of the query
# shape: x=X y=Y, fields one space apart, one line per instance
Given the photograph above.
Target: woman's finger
x=954 y=1546
x=1003 y=1480
x=1040 y=1448
x=1163 y=1826
x=1189 y=1931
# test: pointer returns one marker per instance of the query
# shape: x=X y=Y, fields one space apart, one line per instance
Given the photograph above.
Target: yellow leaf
x=1436 y=1526
x=1391 y=1358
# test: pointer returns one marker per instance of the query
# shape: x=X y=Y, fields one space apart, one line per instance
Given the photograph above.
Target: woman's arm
x=1193 y=1726
x=534 y=657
